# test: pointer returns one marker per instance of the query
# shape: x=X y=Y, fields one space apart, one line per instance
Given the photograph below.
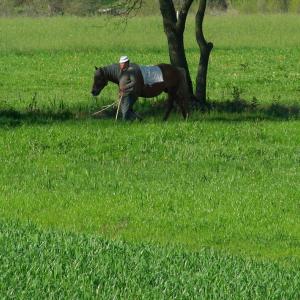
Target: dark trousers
x=127 y=107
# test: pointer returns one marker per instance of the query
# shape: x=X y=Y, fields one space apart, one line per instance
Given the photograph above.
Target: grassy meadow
x=207 y=207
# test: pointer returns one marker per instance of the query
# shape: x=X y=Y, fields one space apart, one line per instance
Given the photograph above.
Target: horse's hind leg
x=182 y=94
x=183 y=106
x=170 y=105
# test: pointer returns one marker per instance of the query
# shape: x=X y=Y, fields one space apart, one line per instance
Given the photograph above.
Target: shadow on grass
x=235 y=110
x=12 y=117
x=241 y=110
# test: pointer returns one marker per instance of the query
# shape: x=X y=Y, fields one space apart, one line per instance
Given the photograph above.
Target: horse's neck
x=112 y=73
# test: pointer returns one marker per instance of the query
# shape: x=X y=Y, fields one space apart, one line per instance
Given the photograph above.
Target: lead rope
x=119 y=104
x=106 y=107
x=103 y=109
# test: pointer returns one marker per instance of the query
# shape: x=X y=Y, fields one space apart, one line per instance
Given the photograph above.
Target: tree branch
x=205 y=49
x=168 y=13
x=183 y=12
x=127 y=7
x=199 y=24
x=133 y=6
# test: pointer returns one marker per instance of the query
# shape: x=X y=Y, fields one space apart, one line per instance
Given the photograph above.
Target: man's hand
x=121 y=91
x=125 y=85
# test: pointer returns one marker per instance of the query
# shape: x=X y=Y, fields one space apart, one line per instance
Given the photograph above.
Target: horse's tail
x=183 y=91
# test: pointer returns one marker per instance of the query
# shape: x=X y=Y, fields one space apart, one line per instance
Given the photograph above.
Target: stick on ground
x=119 y=104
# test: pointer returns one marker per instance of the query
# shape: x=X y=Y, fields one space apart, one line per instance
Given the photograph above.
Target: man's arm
x=127 y=83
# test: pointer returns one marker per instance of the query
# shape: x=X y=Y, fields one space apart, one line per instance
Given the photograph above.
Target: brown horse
x=174 y=84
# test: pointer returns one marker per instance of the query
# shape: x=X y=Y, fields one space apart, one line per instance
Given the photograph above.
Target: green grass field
x=207 y=207
x=55 y=265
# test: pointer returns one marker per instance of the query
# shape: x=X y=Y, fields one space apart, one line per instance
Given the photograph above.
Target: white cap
x=123 y=59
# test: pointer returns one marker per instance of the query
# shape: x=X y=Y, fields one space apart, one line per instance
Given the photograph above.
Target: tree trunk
x=174 y=29
x=205 y=49
x=174 y=26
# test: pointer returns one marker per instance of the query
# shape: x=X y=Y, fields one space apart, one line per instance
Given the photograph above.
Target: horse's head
x=99 y=82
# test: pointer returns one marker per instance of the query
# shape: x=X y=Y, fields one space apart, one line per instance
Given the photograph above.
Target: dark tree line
x=90 y=7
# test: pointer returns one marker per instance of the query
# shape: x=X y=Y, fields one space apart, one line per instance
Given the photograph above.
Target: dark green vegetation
x=227 y=179
x=38 y=264
x=149 y=7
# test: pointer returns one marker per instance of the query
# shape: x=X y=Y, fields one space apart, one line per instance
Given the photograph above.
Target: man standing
x=127 y=89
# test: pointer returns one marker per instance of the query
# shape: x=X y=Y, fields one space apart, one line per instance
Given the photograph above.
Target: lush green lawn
x=231 y=185
x=55 y=57
x=224 y=180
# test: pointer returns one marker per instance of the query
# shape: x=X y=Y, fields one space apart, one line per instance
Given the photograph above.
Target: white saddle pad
x=151 y=74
